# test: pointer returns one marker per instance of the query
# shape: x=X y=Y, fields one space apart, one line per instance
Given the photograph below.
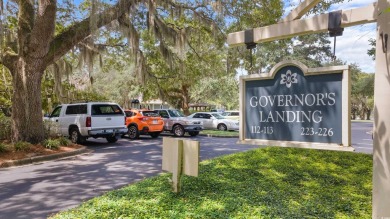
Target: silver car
x=176 y=123
x=212 y=120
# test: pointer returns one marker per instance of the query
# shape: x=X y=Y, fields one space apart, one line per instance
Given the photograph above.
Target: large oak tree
x=39 y=43
x=37 y=48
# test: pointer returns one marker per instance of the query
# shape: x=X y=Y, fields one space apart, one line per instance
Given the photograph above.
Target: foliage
x=362 y=93
x=22 y=146
x=5 y=127
x=64 y=141
x=371 y=52
x=4 y=147
x=5 y=91
x=52 y=144
x=264 y=183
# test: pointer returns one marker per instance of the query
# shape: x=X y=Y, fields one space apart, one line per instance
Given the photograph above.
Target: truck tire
x=178 y=131
x=193 y=134
x=111 y=139
x=75 y=136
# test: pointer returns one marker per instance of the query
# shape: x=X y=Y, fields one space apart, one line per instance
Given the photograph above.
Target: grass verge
x=220 y=133
x=263 y=183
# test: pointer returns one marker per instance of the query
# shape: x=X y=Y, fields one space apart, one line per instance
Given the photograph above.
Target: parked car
x=231 y=114
x=143 y=122
x=217 y=110
x=81 y=121
x=213 y=120
x=176 y=123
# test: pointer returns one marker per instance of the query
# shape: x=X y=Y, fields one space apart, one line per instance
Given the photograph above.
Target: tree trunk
x=368 y=114
x=27 y=120
x=186 y=100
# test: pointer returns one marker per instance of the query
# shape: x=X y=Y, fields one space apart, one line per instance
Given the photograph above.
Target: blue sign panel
x=294 y=107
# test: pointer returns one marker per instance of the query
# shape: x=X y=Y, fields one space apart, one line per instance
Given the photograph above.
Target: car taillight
x=88 y=122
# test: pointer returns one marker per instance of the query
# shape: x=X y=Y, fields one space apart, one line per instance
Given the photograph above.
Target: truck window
x=56 y=112
x=76 y=109
x=106 y=109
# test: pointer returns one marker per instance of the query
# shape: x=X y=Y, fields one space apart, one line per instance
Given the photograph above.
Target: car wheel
x=178 y=131
x=222 y=127
x=111 y=139
x=154 y=134
x=75 y=136
x=193 y=133
x=133 y=132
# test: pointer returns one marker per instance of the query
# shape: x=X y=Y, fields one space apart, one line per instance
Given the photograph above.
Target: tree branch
x=43 y=29
x=64 y=42
x=8 y=59
x=25 y=24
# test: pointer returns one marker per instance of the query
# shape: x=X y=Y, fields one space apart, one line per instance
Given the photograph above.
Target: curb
x=37 y=159
x=217 y=136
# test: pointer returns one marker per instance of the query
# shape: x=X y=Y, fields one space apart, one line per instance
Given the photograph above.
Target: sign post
x=381 y=172
x=180 y=157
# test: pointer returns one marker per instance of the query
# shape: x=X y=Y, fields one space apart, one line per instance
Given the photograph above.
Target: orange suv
x=143 y=122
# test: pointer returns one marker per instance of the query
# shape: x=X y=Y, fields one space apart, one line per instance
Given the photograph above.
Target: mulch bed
x=33 y=151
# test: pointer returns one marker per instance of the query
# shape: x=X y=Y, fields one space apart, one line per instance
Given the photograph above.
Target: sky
x=353 y=45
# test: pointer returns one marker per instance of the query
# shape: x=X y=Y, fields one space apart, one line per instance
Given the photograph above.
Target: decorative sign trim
x=289 y=80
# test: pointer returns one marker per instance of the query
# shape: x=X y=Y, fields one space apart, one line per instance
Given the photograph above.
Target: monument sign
x=297 y=105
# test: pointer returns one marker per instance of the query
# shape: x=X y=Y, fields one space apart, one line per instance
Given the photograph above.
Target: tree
x=362 y=93
x=40 y=43
x=37 y=47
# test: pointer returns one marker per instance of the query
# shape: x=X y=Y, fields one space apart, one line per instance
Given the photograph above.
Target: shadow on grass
x=263 y=183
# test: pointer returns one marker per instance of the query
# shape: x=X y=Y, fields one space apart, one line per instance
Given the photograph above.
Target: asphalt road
x=36 y=191
x=361 y=137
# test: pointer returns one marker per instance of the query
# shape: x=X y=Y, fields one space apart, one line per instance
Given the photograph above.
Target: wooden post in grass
x=180 y=157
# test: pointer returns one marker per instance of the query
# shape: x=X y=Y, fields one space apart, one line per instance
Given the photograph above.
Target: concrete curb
x=217 y=136
x=42 y=158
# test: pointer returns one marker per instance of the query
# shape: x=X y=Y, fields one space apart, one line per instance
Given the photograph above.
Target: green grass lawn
x=220 y=133
x=263 y=183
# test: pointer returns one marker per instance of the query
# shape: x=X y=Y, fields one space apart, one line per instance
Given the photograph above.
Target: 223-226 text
x=319 y=131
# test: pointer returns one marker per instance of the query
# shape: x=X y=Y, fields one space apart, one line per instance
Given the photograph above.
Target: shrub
x=64 y=141
x=22 y=146
x=51 y=129
x=5 y=127
x=52 y=144
x=4 y=148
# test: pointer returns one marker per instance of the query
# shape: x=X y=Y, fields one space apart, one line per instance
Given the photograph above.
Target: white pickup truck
x=80 y=121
